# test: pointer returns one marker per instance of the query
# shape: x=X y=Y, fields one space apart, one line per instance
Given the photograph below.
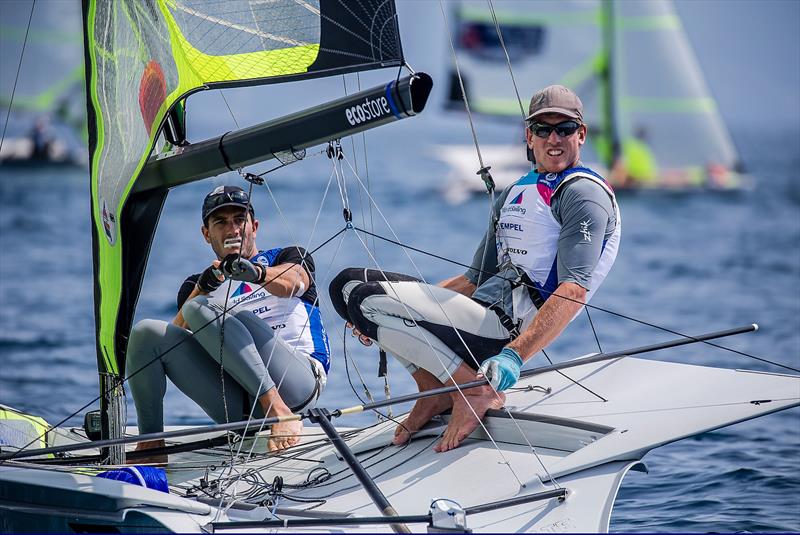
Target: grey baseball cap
x=556 y=99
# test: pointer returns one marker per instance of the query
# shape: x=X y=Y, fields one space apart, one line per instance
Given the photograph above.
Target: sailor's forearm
x=550 y=321
x=286 y=280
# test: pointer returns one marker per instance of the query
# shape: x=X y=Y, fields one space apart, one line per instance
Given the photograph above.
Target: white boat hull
x=582 y=443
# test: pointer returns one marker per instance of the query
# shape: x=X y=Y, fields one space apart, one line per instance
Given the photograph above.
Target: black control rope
x=601 y=309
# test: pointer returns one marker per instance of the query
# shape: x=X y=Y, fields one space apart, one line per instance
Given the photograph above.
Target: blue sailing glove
x=502 y=370
x=241 y=269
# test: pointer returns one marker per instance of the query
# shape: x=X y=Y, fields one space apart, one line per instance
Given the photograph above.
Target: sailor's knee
x=191 y=309
x=145 y=333
x=342 y=285
x=146 y=328
x=355 y=309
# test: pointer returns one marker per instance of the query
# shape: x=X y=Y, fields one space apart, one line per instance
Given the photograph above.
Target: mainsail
x=144 y=58
x=630 y=62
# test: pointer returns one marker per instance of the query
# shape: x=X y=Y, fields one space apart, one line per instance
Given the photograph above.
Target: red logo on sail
x=152 y=93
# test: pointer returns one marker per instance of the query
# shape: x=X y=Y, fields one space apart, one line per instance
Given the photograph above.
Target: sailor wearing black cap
x=274 y=349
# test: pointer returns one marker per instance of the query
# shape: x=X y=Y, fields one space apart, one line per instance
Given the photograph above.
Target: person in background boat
x=42 y=143
x=636 y=165
x=274 y=347
x=553 y=240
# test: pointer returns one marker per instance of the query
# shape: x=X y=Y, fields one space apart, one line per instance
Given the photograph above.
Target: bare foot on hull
x=157 y=460
x=424 y=409
x=284 y=435
x=466 y=405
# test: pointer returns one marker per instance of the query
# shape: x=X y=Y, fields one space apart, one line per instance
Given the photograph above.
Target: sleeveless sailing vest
x=297 y=322
x=527 y=237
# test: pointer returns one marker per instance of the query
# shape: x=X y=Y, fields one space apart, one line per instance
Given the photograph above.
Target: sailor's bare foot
x=424 y=408
x=466 y=406
x=159 y=460
x=284 y=435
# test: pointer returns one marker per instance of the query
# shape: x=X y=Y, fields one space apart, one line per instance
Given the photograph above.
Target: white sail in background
x=662 y=95
x=652 y=119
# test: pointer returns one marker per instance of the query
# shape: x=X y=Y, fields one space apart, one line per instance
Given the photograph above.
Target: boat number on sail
x=368 y=110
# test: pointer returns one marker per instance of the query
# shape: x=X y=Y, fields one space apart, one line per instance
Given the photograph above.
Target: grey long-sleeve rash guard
x=582 y=207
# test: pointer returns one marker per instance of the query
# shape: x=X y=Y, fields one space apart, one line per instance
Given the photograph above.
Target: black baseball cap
x=226 y=196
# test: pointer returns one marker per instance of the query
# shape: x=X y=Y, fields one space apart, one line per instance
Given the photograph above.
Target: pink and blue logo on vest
x=243 y=289
x=517 y=199
x=548 y=183
x=546 y=188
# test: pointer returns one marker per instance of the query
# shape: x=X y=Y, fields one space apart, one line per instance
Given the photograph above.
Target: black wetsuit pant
x=422 y=325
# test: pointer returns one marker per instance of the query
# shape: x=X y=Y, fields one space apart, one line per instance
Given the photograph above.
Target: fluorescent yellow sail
x=144 y=58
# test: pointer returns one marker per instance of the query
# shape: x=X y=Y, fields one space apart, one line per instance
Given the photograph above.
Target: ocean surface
x=689 y=262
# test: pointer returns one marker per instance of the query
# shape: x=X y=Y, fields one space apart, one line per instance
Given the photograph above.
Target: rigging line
x=158 y=357
x=250 y=452
x=435 y=353
x=358 y=372
x=568 y=378
x=352 y=361
x=461 y=84
x=225 y=100
x=331 y=481
x=508 y=60
x=581 y=361
x=222 y=367
x=595 y=307
x=335 y=151
x=314 y=227
x=286 y=313
x=461 y=339
x=355 y=157
x=492 y=225
x=224 y=312
x=16 y=78
x=366 y=168
x=594 y=331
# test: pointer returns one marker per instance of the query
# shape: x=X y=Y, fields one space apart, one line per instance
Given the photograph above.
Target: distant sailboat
x=653 y=122
x=45 y=104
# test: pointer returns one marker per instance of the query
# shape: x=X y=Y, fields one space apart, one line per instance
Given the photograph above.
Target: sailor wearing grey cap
x=552 y=240
x=250 y=319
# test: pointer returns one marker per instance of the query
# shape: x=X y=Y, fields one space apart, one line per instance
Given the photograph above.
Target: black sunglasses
x=227 y=197
x=564 y=129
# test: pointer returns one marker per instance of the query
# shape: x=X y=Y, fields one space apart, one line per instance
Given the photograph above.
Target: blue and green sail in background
x=644 y=95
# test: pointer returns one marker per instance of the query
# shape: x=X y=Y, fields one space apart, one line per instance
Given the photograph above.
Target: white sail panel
x=663 y=99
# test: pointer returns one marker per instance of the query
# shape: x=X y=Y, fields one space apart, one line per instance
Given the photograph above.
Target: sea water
x=689 y=262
